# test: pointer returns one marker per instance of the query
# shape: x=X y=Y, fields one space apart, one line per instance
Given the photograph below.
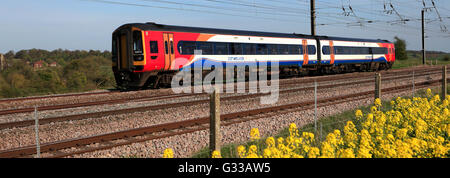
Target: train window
x=283 y=49
x=171 y=47
x=261 y=49
x=347 y=50
x=236 y=48
x=114 y=50
x=249 y=49
x=355 y=50
x=153 y=46
x=311 y=49
x=272 y=49
x=166 y=47
x=221 y=48
x=326 y=50
x=379 y=50
x=137 y=42
x=365 y=50
x=351 y=50
x=186 y=47
x=206 y=47
x=338 y=50
x=295 y=49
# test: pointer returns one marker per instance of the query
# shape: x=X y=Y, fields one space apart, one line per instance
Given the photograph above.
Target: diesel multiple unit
x=149 y=54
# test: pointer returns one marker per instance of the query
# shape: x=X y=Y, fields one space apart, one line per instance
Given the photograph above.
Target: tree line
x=75 y=71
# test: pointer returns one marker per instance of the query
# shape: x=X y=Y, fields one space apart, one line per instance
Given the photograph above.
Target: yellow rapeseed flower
x=270 y=142
x=416 y=128
x=293 y=131
x=254 y=134
x=358 y=114
x=429 y=94
x=241 y=151
x=377 y=102
x=216 y=154
x=168 y=153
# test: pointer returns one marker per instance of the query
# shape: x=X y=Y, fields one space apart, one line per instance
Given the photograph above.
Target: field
x=415 y=59
x=317 y=142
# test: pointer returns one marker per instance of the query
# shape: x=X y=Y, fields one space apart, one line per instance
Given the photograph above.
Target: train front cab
x=129 y=57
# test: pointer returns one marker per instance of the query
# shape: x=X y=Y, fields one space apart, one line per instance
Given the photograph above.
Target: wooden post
x=414 y=84
x=315 y=106
x=444 y=82
x=377 y=85
x=214 y=131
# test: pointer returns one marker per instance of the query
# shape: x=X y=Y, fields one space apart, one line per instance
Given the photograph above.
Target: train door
x=331 y=52
x=123 y=62
x=305 y=52
x=169 y=53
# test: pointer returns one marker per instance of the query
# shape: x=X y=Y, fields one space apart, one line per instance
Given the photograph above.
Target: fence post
x=321 y=136
x=414 y=84
x=36 y=130
x=377 y=85
x=444 y=82
x=214 y=131
x=315 y=106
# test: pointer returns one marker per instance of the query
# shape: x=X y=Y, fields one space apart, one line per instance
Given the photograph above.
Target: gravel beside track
x=11 y=138
x=187 y=144
x=100 y=95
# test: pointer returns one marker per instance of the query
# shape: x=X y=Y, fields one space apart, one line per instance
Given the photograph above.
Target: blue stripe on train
x=209 y=62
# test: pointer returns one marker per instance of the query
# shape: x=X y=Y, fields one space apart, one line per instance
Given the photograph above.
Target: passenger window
x=261 y=49
x=206 y=47
x=294 y=49
x=283 y=49
x=186 y=47
x=365 y=50
x=236 y=48
x=153 y=46
x=166 y=47
x=326 y=50
x=114 y=49
x=272 y=48
x=311 y=49
x=221 y=48
x=171 y=47
x=249 y=49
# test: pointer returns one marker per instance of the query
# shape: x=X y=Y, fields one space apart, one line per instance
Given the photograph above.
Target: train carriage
x=149 y=54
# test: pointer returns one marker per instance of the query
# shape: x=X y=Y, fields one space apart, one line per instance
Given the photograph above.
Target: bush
x=446 y=58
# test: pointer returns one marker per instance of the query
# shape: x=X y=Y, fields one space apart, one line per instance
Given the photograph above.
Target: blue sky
x=87 y=24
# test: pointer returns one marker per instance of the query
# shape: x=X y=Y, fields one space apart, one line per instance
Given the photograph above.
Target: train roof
x=162 y=27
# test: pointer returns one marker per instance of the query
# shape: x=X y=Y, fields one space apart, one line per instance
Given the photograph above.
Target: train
x=144 y=54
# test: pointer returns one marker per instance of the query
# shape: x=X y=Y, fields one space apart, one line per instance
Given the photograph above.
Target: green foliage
x=446 y=58
x=400 y=49
x=76 y=80
x=76 y=71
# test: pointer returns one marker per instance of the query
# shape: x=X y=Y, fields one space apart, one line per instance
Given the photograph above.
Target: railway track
x=55 y=96
x=75 y=146
x=290 y=82
x=181 y=104
x=300 y=79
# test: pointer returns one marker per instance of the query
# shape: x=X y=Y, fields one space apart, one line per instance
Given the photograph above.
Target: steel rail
x=170 y=129
x=169 y=96
x=174 y=105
